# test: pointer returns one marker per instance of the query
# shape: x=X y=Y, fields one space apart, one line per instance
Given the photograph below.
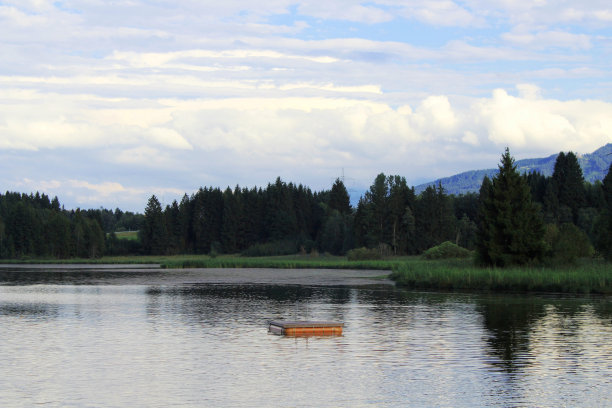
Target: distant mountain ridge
x=594 y=167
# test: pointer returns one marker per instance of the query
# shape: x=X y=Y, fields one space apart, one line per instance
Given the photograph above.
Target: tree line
x=514 y=218
x=33 y=225
x=559 y=216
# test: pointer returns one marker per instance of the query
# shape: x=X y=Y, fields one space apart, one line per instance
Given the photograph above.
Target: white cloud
x=189 y=92
x=345 y=10
x=534 y=124
x=442 y=13
x=548 y=39
x=436 y=117
x=470 y=138
x=168 y=138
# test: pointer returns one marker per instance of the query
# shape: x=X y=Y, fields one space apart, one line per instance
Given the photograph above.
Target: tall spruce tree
x=568 y=184
x=339 y=198
x=435 y=218
x=511 y=229
x=604 y=243
x=154 y=234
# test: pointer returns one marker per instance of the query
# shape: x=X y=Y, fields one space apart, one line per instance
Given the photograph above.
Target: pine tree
x=435 y=218
x=511 y=229
x=568 y=184
x=154 y=234
x=339 y=198
x=604 y=243
x=232 y=214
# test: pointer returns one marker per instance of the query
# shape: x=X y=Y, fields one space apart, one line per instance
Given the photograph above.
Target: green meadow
x=130 y=235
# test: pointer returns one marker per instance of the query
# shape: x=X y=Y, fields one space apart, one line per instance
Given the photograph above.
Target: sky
x=106 y=102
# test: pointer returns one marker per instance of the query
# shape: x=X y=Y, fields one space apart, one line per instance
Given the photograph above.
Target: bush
x=568 y=243
x=363 y=254
x=447 y=250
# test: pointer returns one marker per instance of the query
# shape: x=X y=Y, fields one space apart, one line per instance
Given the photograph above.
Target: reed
x=587 y=276
x=282 y=262
x=584 y=276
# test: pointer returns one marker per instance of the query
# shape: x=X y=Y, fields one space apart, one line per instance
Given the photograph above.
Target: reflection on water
x=109 y=341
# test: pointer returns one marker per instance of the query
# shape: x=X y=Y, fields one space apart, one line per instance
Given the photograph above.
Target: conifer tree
x=154 y=234
x=568 y=184
x=605 y=232
x=511 y=229
x=435 y=218
x=339 y=198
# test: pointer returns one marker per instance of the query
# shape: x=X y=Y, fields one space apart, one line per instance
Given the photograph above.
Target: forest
x=573 y=218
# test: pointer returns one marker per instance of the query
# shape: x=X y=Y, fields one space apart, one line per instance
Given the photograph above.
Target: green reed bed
x=279 y=262
x=588 y=276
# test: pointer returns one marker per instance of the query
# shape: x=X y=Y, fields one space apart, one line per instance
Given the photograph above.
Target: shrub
x=568 y=243
x=363 y=254
x=447 y=250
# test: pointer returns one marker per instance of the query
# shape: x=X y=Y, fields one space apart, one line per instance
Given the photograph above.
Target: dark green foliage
x=363 y=254
x=373 y=217
x=274 y=248
x=173 y=228
x=337 y=233
x=122 y=247
x=339 y=199
x=154 y=233
x=34 y=226
x=537 y=185
x=466 y=205
x=567 y=184
x=232 y=230
x=385 y=215
x=511 y=229
x=435 y=218
x=604 y=227
x=567 y=243
x=447 y=250
x=206 y=218
x=59 y=235
x=467 y=231
x=285 y=218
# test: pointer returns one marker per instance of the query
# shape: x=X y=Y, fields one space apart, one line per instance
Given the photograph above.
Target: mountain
x=595 y=166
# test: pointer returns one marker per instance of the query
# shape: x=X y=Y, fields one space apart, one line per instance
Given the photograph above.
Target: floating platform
x=305 y=328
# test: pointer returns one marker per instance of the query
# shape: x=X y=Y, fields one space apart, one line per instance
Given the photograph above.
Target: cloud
x=155 y=95
x=549 y=39
x=442 y=13
x=534 y=124
x=345 y=10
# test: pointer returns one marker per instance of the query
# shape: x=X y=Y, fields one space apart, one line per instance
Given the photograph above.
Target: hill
x=594 y=167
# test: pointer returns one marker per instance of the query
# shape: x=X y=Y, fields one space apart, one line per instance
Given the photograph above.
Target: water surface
x=154 y=338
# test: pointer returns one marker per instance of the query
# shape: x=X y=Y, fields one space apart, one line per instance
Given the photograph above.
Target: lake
x=83 y=336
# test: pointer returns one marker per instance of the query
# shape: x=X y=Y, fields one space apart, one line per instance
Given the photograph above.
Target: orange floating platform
x=305 y=328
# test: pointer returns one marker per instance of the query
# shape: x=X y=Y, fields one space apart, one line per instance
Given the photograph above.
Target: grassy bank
x=229 y=261
x=587 y=276
x=284 y=262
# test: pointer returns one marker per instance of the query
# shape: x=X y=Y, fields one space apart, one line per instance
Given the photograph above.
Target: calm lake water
x=198 y=338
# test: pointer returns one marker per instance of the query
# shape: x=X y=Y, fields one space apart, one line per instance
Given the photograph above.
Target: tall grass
x=283 y=262
x=588 y=276
x=585 y=276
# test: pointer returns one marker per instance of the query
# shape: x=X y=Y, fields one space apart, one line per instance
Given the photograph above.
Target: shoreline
x=587 y=276
x=192 y=276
